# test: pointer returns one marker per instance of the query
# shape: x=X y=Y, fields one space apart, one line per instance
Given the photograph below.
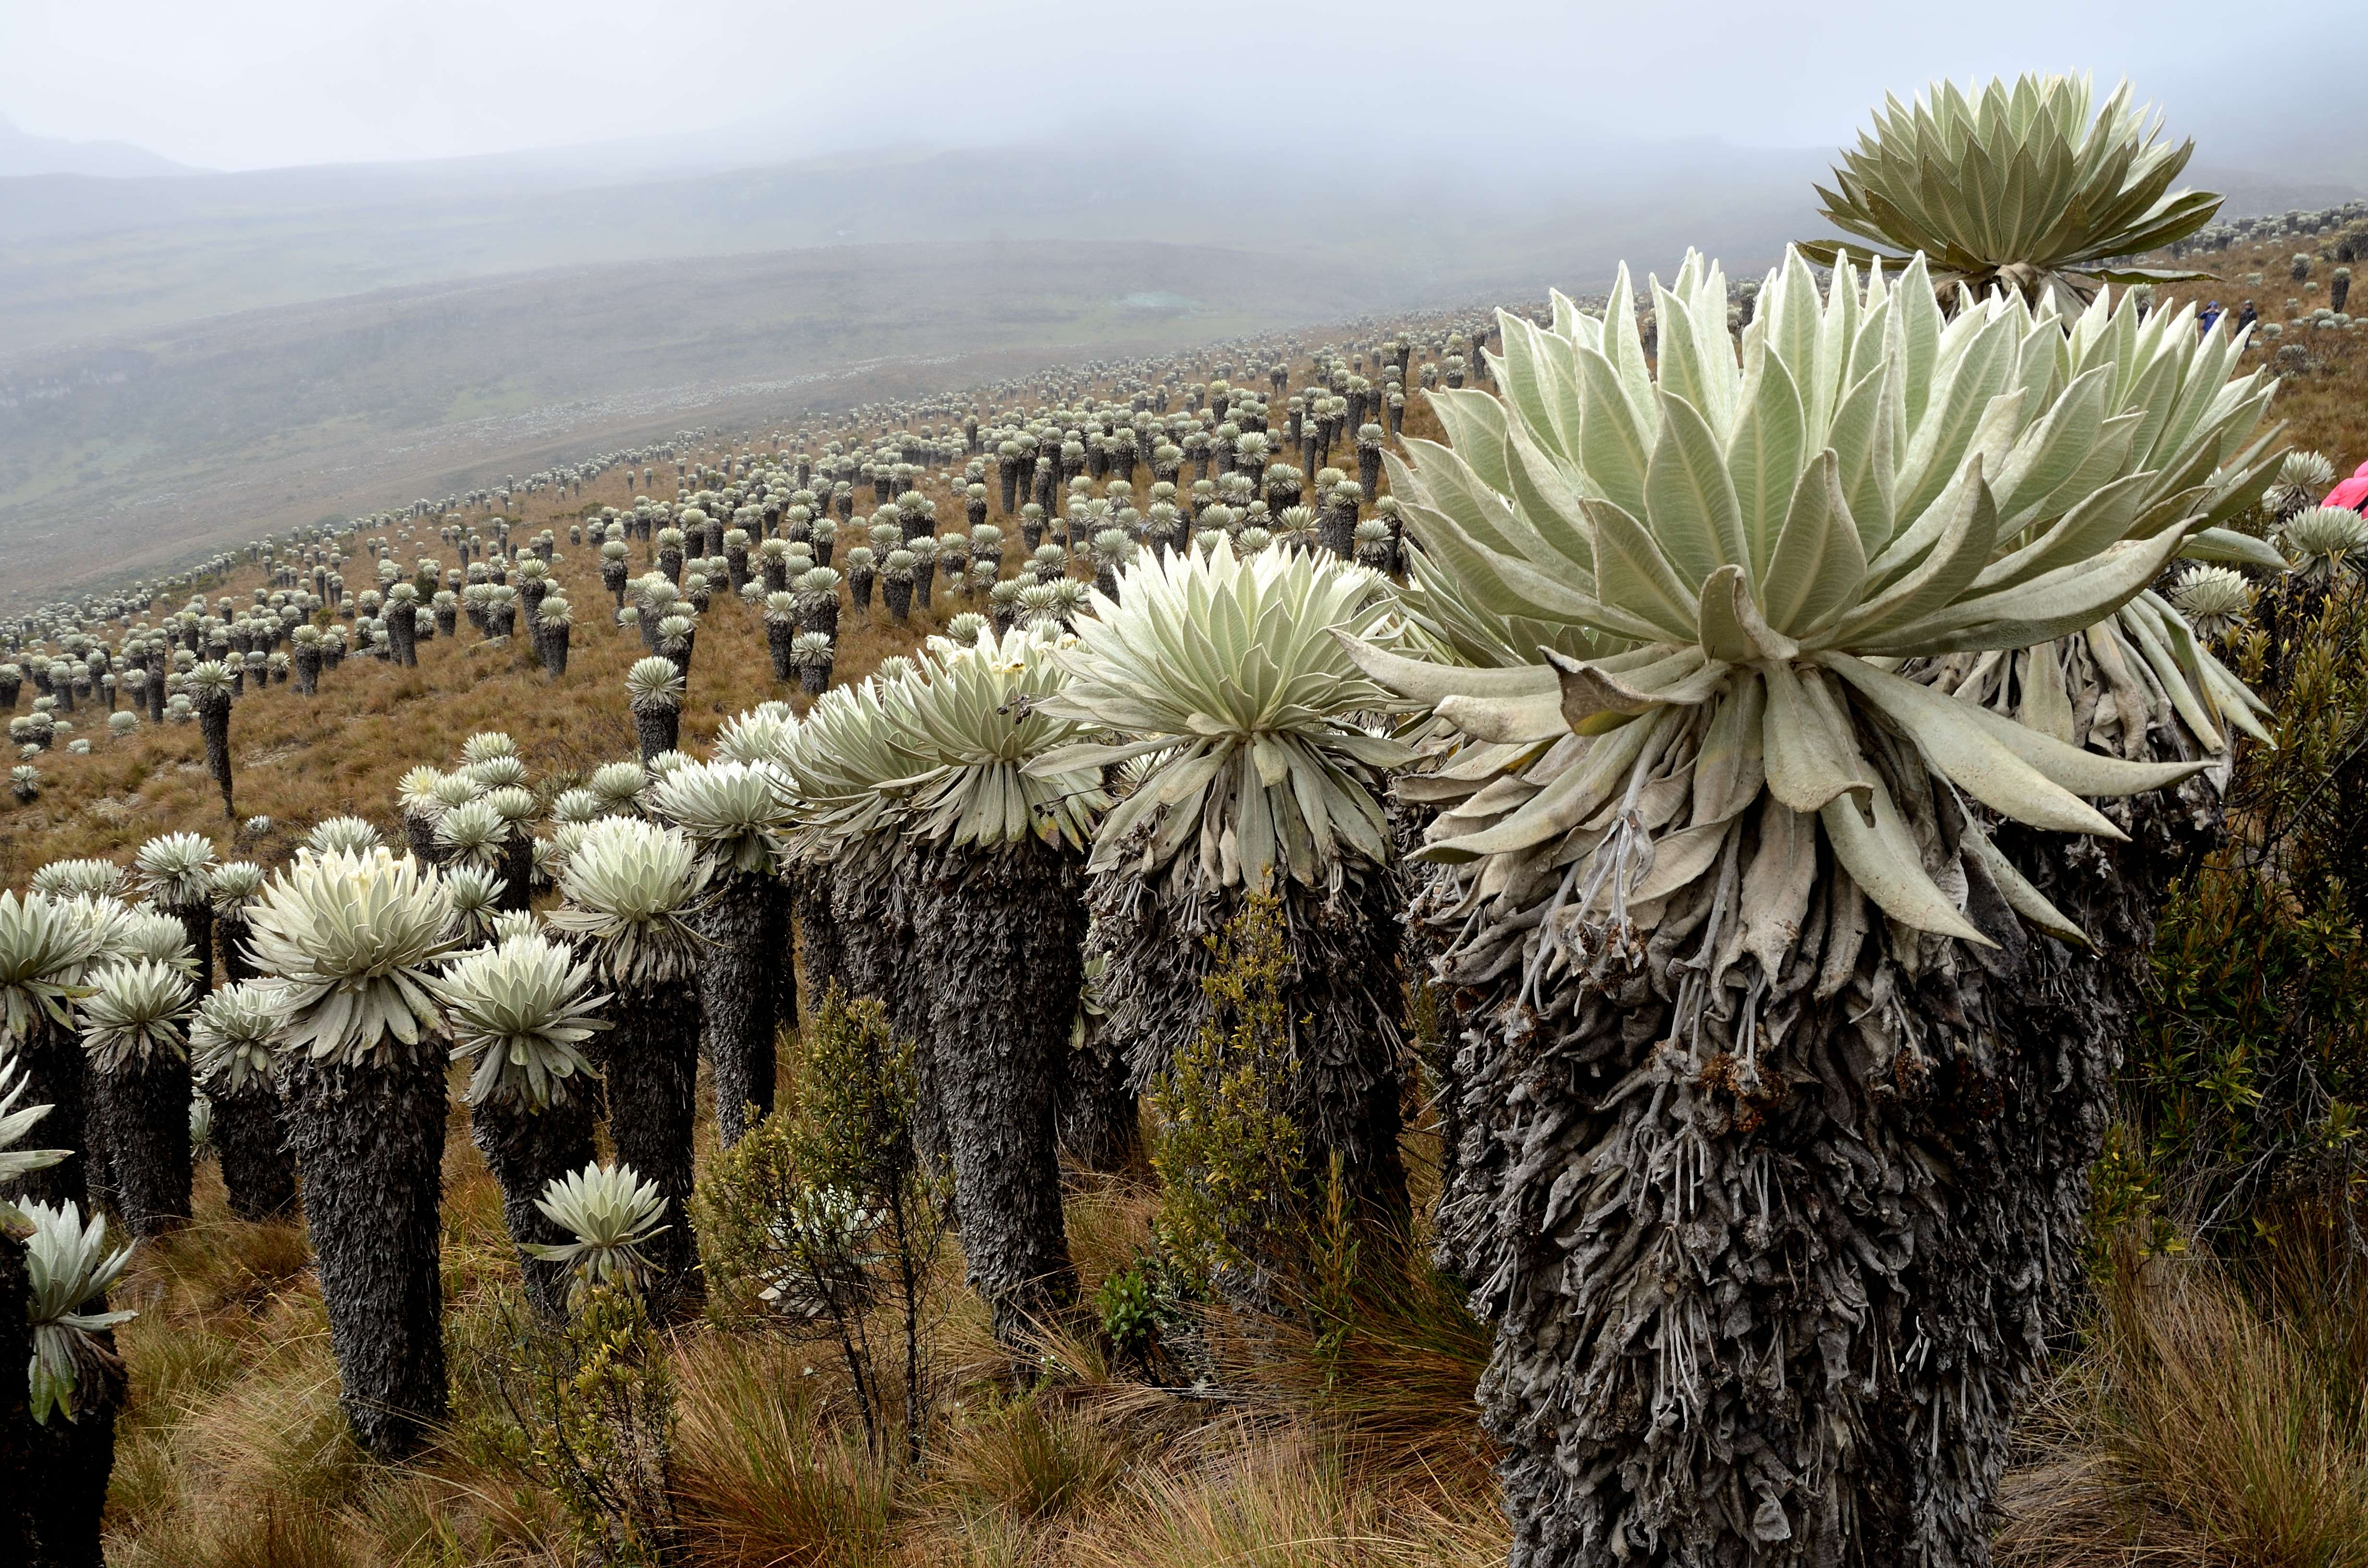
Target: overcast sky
x=247 y=84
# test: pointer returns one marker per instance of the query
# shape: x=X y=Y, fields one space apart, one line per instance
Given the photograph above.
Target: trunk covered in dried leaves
x=1772 y=1248
x=56 y=1073
x=1101 y=1124
x=737 y=973
x=64 y=1498
x=526 y=1150
x=143 y=1110
x=1002 y=933
x=817 y=940
x=214 y=722
x=870 y=906
x=16 y=1423
x=370 y=1142
x=649 y=1058
x=250 y=1137
x=657 y=727
x=1343 y=997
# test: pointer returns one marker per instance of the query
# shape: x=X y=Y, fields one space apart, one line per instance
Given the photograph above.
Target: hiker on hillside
x=2247 y=317
x=2353 y=493
x=2210 y=315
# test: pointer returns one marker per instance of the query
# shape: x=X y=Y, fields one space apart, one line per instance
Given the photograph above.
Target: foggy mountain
x=22 y=152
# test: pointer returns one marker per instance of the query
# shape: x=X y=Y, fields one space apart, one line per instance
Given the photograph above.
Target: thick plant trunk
x=778 y=940
x=870 y=903
x=57 y=1075
x=1337 y=525
x=419 y=832
x=1101 y=1124
x=250 y=1138
x=1829 y=1214
x=736 y=998
x=1002 y=935
x=213 y=718
x=230 y=936
x=650 y=1060
x=819 y=942
x=143 y=1114
x=658 y=729
x=369 y=1143
x=198 y=923
x=1343 y=995
x=526 y=1150
x=517 y=870
x=65 y=1494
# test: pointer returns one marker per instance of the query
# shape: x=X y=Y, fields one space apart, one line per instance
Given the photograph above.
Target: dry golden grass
x=2324 y=407
x=2207 y=1420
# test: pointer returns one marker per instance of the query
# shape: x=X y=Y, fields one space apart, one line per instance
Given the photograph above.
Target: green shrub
x=595 y=1401
x=825 y=1221
x=2250 y=1067
x=1227 y=1155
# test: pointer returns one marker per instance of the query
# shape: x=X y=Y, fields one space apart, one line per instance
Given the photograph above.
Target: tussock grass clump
x=2214 y=1416
x=763 y=1472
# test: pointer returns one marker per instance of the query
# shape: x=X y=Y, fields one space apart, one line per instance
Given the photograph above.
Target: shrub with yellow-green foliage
x=593 y=1399
x=1227 y=1152
x=2251 y=1073
x=825 y=1219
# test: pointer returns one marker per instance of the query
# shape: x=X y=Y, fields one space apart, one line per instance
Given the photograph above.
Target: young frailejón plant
x=131 y=1028
x=631 y=893
x=826 y=1214
x=231 y=1057
x=2016 y=188
x=999 y=910
x=1781 y=1072
x=45 y=945
x=607 y=1215
x=19 y=1542
x=520 y=1012
x=732 y=811
x=351 y=943
x=75 y=1383
x=1259 y=779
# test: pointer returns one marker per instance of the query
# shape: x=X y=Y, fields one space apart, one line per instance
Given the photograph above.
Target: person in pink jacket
x=2353 y=493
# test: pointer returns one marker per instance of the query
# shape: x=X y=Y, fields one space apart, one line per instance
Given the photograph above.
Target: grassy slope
x=298 y=760
x=234 y=1453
